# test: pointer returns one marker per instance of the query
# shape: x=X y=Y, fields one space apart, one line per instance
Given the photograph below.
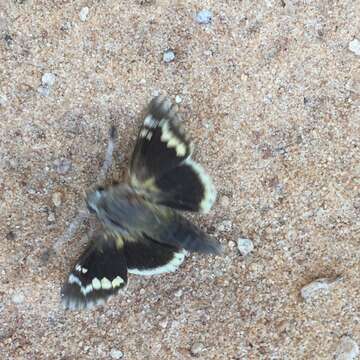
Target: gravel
x=56 y=199
x=319 y=286
x=347 y=349
x=245 y=246
x=197 y=348
x=84 y=13
x=18 y=298
x=3 y=100
x=178 y=99
x=44 y=91
x=116 y=354
x=204 y=17
x=48 y=79
x=168 y=56
x=51 y=217
x=354 y=46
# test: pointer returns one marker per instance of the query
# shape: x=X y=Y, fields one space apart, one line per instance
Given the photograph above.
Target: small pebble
x=62 y=166
x=51 y=217
x=178 y=99
x=44 y=90
x=245 y=246
x=3 y=100
x=163 y=324
x=66 y=26
x=83 y=14
x=318 y=286
x=56 y=199
x=142 y=291
x=116 y=354
x=231 y=244
x=18 y=298
x=354 y=46
x=178 y=293
x=48 y=79
x=204 y=17
x=197 y=348
x=347 y=349
x=168 y=56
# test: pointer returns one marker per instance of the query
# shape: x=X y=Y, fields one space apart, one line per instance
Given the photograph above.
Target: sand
x=270 y=92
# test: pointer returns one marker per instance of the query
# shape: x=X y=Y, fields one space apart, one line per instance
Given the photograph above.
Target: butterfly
x=141 y=228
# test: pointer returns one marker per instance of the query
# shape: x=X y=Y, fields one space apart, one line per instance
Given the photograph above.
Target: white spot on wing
x=171 y=140
x=86 y=290
x=169 y=267
x=117 y=282
x=74 y=280
x=96 y=284
x=106 y=283
x=143 y=133
x=79 y=268
x=181 y=150
x=150 y=122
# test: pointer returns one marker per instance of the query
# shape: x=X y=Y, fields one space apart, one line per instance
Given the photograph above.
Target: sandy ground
x=270 y=93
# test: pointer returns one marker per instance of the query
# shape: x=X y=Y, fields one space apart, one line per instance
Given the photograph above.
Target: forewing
x=161 y=143
x=161 y=167
x=185 y=187
x=99 y=273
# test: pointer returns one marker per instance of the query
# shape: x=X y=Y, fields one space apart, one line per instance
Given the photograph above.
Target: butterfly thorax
x=121 y=208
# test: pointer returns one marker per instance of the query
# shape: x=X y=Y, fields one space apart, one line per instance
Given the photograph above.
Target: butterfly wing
x=161 y=166
x=99 y=273
x=145 y=256
x=161 y=144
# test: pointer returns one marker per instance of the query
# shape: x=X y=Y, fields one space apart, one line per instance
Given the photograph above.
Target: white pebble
x=204 y=17
x=3 y=100
x=168 y=56
x=56 y=199
x=197 y=348
x=44 y=90
x=18 y=298
x=347 y=349
x=83 y=14
x=163 y=324
x=231 y=244
x=178 y=293
x=116 y=354
x=48 y=79
x=142 y=291
x=51 y=217
x=354 y=46
x=245 y=246
x=178 y=99
x=318 y=286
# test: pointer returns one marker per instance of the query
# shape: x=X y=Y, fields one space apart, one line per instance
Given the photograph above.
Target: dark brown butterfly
x=142 y=231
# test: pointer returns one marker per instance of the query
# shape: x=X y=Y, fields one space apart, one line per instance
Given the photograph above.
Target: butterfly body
x=142 y=231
